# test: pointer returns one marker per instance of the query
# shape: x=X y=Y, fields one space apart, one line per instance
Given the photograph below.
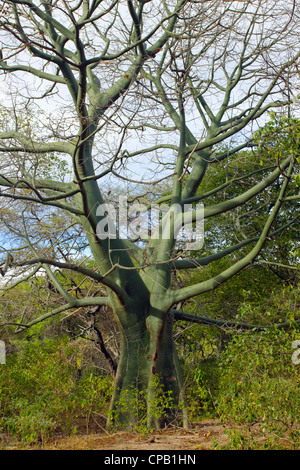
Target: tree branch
x=226 y=324
x=81 y=269
x=79 y=303
x=205 y=286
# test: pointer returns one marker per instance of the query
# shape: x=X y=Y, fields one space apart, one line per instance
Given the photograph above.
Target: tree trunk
x=148 y=387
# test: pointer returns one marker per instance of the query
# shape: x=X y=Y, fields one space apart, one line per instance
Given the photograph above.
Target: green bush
x=201 y=386
x=259 y=385
x=41 y=392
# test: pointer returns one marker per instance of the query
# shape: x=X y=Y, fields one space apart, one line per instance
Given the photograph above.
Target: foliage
x=41 y=391
x=279 y=137
x=247 y=377
x=201 y=389
x=259 y=384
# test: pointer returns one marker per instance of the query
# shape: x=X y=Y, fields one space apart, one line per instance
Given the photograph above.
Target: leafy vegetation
x=260 y=384
x=41 y=391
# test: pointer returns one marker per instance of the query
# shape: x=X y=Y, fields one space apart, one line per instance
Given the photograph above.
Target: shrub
x=40 y=390
x=201 y=386
x=259 y=385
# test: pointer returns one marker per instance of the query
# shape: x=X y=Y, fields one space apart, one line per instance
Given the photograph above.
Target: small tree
x=151 y=89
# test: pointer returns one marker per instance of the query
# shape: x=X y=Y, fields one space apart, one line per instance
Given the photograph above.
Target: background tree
x=148 y=90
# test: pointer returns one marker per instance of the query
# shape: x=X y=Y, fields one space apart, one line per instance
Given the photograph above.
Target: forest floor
x=208 y=434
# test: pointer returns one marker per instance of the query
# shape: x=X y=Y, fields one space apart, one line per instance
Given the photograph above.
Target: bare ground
x=205 y=435
x=209 y=434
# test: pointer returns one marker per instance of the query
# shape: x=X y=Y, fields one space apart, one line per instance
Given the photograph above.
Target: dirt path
x=209 y=434
x=203 y=437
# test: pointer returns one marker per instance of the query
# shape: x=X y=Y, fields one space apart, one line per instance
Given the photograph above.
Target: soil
x=206 y=435
x=210 y=434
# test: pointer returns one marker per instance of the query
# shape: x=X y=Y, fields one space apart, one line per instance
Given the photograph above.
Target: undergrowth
x=253 y=383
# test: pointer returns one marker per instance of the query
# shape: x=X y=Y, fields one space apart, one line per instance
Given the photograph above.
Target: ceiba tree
x=139 y=93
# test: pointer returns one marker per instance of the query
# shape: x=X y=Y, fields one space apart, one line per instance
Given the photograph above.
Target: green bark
x=148 y=386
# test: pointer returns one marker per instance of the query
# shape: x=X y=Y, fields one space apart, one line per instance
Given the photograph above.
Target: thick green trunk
x=148 y=384
x=148 y=387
